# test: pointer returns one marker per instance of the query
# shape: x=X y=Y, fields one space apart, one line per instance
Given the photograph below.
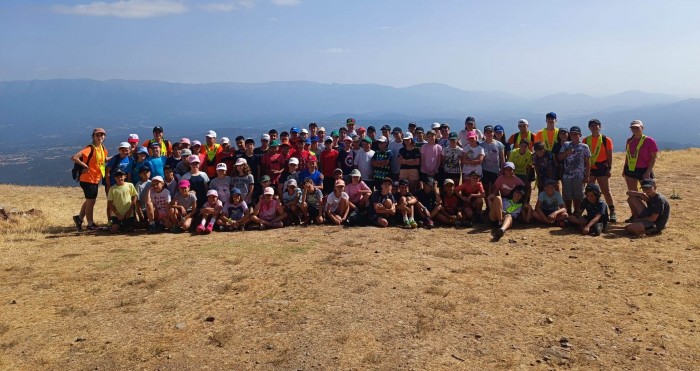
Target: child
x=210 y=212
x=472 y=194
x=545 y=166
x=358 y=190
x=451 y=210
x=291 y=198
x=522 y=159
x=158 y=205
x=596 y=218
x=404 y=204
x=509 y=211
x=337 y=204
x=142 y=189
x=650 y=210
x=292 y=172
x=139 y=163
x=244 y=180
x=121 y=200
x=311 y=203
x=550 y=207
x=429 y=202
x=382 y=205
x=269 y=212
x=183 y=207
x=222 y=183
x=236 y=213
x=170 y=181
x=199 y=180
x=575 y=156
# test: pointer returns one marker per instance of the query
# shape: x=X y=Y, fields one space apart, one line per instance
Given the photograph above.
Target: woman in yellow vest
x=92 y=159
x=640 y=156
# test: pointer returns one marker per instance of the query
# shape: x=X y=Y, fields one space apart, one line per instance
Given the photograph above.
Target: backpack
x=77 y=169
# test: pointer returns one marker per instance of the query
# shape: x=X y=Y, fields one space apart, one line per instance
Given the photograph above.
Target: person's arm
x=639 y=195
x=609 y=153
x=587 y=170
x=650 y=167
x=129 y=212
x=113 y=209
x=587 y=227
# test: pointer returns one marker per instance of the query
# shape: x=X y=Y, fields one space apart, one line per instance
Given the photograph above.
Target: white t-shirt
x=160 y=200
x=363 y=161
x=222 y=187
x=332 y=201
x=472 y=153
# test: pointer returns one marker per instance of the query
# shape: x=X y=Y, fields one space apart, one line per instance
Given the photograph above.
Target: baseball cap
x=292 y=182
x=124 y=145
x=185 y=141
x=435 y=125
x=355 y=138
x=196 y=143
x=338 y=170
x=236 y=191
x=304 y=131
x=314 y=139
x=193 y=159
x=133 y=138
x=367 y=140
x=307 y=141
x=264 y=178
x=335 y=133
x=350 y=121
x=211 y=134
x=647 y=183
x=348 y=137
x=212 y=192
x=225 y=140
x=144 y=169
x=523 y=121
x=294 y=161
x=340 y=182
x=355 y=172
x=430 y=181
x=488 y=128
x=183 y=183
x=474 y=172
x=371 y=129
x=420 y=130
x=118 y=172
x=275 y=143
x=444 y=126
x=154 y=145
x=386 y=127
x=361 y=129
x=471 y=134
x=186 y=152
x=142 y=150
x=592 y=187
x=265 y=137
x=498 y=129
x=470 y=119
x=407 y=135
x=396 y=129
x=449 y=181
x=221 y=166
x=381 y=139
x=158 y=128
x=294 y=129
x=509 y=165
x=321 y=129
x=269 y=191
x=327 y=139
x=453 y=135
x=551 y=115
x=403 y=182
x=311 y=159
x=566 y=130
x=594 y=122
x=99 y=130
x=637 y=123
x=575 y=130
x=388 y=180
x=157 y=178
x=240 y=161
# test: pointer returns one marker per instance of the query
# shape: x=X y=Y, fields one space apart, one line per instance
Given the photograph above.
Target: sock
x=411 y=220
x=212 y=221
x=405 y=218
x=204 y=221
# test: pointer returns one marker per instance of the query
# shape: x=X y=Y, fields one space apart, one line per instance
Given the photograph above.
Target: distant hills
x=60 y=113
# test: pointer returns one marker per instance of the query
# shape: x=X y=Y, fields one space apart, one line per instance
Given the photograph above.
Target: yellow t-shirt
x=521 y=161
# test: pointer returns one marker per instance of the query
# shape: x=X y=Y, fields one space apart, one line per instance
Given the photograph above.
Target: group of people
x=364 y=176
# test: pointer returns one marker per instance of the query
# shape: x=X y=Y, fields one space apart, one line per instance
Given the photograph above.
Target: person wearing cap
x=133 y=145
x=175 y=158
x=650 y=210
x=313 y=148
x=350 y=125
x=258 y=190
x=411 y=128
x=236 y=213
x=156 y=162
x=381 y=162
x=223 y=183
x=183 y=207
x=548 y=136
x=196 y=149
x=142 y=187
x=304 y=134
x=382 y=205
x=472 y=156
x=472 y=194
x=294 y=135
x=346 y=156
x=291 y=172
x=122 y=162
x=429 y=203
x=157 y=205
x=451 y=210
x=601 y=148
x=337 y=206
x=593 y=217
x=499 y=134
x=362 y=132
x=419 y=137
x=522 y=158
x=321 y=134
x=291 y=200
x=358 y=191
x=329 y=160
x=386 y=133
x=208 y=158
x=444 y=137
x=550 y=207
x=210 y=212
x=243 y=179
x=363 y=161
x=545 y=165
x=227 y=156
x=91 y=164
x=494 y=158
x=523 y=133
x=452 y=159
x=121 y=200
x=503 y=187
x=556 y=149
x=183 y=166
x=312 y=172
x=199 y=180
x=405 y=202
x=395 y=147
x=264 y=146
x=431 y=158
x=158 y=137
x=269 y=212
x=273 y=163
x=469 y=127
x=640 y=156
x=140 y=161
x=507 y=210
x=575 y=158
x=435 y=126
x=185 y=143
x=409 y=161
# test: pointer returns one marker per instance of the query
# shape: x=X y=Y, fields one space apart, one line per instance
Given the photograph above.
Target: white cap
x=225 y=140
x=523 y=121
x=212 y=192
x=269 y=191
x=407 y=135
x=124 y=145
x=292 y=182
x=436 y=125
x=157 y=178
x=381 y=139
x=327 y=138
x=321 y=129
x=265 y=137
x=294 y=161
x=241 y=161
x=134 y=137
x=196 y=143
x=304 y=131
x=221 y=166
x=211 y=134
x=510 y=165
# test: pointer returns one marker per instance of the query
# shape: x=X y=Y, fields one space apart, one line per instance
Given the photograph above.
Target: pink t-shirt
x=430 y=158
x=648 y=147
x=506 y=185
x=353 y=190
x=268 y=210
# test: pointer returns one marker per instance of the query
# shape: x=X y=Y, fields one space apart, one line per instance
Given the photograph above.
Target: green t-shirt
x=121 y=196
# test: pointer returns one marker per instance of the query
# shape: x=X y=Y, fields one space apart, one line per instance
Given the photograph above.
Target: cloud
x=333 y=51
x=286 y=2
x=219 y=7
x=125 y=8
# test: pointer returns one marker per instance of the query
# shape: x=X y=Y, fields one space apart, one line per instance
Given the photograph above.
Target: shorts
x=547 y=212
x=650 y=227
x=374 y=219
x=313 y=211
x=124 y=225
x=600 y=170
x=488 y=178
x=328 y=185
x=572 y=189
x=89 y=190
x=636 y=173
x=410 y=174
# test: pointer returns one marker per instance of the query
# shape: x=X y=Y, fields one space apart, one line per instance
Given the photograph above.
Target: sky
x=526 y=48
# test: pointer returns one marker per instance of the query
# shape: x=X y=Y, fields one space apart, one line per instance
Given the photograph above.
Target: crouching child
x=121 y=201
x=596 y=216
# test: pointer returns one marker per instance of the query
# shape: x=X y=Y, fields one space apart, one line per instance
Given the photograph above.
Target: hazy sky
x=527 y=48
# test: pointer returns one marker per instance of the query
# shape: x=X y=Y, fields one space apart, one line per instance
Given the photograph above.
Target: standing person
x=273 y=164
x=472 y=157
x=312 y=172
x=328 y=158
x=494 y=158
x=563 y=138
x=363 y=161
x=523 y=133
x=548 y=136
x=175 y=158
x=199 y=181
x=251 y=160
x=452 y=159
x=640 y=156
x=346 y=156
x=264 y=146
x=431 y=158
x=395 y=147
x=545 y=166
x=650 y=210
x=183 y=166
x=227 y=156
x=499 y=134
x=156 y=162
x=444 y=140
x=419 y=137
x=350 y=125
x=133 y=145
x=211 y=149
x=158 y=137
x=381 y=162
x=577 y=167
x=469 y=127
x=409 y=161
x=92 y=159
x=601 y=148
x=243 y=180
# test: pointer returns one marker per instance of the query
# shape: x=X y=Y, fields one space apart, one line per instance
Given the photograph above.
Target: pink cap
x=185 y=140
x=471 y=134
x=193 y=159
x=183 y=183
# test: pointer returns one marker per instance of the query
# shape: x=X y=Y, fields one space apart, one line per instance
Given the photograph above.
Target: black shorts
x=600 y=170
x=124 y=225
x=637 y=173
x=328 y=185
x=488 y=178
x=89 y=190
x=313 y=211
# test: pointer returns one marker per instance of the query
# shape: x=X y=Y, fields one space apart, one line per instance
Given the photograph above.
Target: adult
x=640 y=156
x=494 y=158
x=211 y=149
x=350 y=125
x=92 y=159
x=523 y=133
x=469 y=126
x=550 y=133
x=601 y=162
x=409 y=161
x=431 y=157
x=158 y=137
x=395 y=147
x=575 y=157
x=499 y=134
x=650 y=210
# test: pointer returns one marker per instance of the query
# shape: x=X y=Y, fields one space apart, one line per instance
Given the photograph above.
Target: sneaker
x=613 y=216
x=78 y=222
x=210 y=227
x=420 y=224
x=630 y=220
x=597 y=228
x=279 y=225
x=498 y=233
x=176 y=229
x=152 y=228
x=406 y=223
x=200 y=229
x=430 y=224
x=222 y=228
x=413 y=224
x=92 y=227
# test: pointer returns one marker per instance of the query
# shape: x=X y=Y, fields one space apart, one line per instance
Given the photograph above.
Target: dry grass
x=332 y=298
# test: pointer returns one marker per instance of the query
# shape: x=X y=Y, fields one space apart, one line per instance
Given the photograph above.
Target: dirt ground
x=334 y=298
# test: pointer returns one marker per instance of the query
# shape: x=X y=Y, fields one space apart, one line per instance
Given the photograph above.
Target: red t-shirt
x=328 y=158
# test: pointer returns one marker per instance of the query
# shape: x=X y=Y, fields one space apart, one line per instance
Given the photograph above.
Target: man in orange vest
x=550 y=134
x=209 y=152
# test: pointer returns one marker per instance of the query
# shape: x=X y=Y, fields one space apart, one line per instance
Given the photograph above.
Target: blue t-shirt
x=157 y=165
x=123 y=164
x=315 y=177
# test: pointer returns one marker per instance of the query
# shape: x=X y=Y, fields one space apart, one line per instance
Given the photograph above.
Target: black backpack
x=77 y=169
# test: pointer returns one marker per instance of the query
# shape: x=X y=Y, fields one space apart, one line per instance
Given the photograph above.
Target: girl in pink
x=210 y=212
x=357 y=190
x=269 y=212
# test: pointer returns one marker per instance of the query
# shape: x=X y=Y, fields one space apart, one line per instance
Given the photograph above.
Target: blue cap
x=145 y=168
x=142 y=150
x=498 y=129
x=294 y=129
x=314 y=139
x=307 y=141
x=551 y=115
x=236 y=191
